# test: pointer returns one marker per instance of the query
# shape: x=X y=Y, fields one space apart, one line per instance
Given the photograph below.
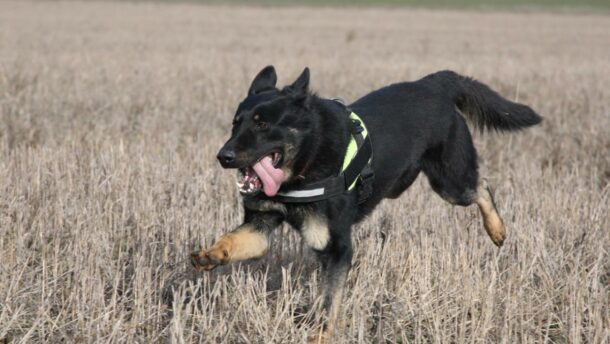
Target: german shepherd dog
x=285 y=138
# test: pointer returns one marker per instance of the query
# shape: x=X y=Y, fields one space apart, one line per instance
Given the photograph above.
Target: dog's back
x=420 y=126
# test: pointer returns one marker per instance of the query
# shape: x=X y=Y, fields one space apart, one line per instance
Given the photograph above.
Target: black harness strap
x=360 y=161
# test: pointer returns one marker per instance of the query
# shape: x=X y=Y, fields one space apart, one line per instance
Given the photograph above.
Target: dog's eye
x=258 y=123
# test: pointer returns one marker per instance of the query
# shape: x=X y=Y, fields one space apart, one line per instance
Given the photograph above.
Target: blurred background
x=111 y=114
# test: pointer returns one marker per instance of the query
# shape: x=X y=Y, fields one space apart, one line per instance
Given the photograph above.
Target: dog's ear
x=300 y=87
x=264 y=80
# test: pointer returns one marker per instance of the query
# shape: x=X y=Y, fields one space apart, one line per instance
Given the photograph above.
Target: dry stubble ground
x=111 y=115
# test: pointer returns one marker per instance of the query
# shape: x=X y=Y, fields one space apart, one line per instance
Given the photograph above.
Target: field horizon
x=582 y=6
x=111 y=115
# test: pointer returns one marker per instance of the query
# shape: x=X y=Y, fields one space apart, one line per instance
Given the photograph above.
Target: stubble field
x=111 y=115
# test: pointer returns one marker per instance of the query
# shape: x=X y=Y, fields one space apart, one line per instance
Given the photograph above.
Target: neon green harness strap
x=352 y=147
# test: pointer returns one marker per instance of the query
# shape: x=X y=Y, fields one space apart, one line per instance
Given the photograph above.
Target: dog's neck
x=324 y=147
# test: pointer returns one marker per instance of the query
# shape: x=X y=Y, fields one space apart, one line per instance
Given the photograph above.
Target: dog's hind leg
x=453 y=173
x=452 y=169
x=465 y=196
x=406 y=179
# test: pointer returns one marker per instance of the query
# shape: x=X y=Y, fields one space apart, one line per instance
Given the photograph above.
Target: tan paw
x=495 y=229
x=208 y=260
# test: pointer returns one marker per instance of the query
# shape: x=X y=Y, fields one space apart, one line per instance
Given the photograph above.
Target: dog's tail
x=485 y=108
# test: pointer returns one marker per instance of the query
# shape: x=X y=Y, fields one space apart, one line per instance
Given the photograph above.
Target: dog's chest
x=312 y=225
x=314 y=230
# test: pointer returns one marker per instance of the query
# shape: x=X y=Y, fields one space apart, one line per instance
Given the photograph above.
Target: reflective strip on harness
x=302 y=193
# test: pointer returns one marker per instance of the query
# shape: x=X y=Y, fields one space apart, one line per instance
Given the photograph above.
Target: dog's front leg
x=249 y=240
x=336 y=261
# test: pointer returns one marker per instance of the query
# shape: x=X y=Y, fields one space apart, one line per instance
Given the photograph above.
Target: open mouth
x=264 y=175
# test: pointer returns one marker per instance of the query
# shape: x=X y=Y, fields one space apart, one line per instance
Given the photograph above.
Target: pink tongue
x=270 y=176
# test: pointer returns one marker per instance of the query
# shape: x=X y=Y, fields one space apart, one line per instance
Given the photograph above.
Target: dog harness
x=356 y=172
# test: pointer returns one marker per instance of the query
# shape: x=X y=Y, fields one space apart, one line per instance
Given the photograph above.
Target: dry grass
x=110 y=118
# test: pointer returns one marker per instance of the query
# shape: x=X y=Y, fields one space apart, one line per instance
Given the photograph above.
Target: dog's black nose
x=226 y=156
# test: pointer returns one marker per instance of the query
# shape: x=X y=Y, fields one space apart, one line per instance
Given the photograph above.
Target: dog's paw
x=208 y=260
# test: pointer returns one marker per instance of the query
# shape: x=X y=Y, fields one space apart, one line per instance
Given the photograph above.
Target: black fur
x=414 y=127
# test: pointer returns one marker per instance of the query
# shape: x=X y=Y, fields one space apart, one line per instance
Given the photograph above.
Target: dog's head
x=269 y=130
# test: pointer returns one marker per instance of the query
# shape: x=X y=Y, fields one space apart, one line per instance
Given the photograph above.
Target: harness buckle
x=358 y=128
x=365 y=184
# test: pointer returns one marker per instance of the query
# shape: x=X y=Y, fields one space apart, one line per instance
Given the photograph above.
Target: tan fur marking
x=287 y=173
x=315 y=231
x=491 y=219
x=324 y=336
x=266 y=206
x=243 y=243
x=335 y=307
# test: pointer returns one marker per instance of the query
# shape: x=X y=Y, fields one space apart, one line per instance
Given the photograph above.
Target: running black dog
x=296 y=154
